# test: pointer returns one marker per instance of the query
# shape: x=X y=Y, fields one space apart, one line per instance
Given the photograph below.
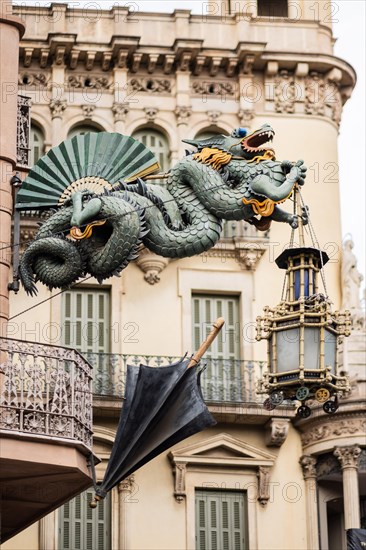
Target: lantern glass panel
x=306 y=289
x=330 y=350
x=312 y=347
x=288 y=349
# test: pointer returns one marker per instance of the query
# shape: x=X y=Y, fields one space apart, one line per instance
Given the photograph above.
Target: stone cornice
x=186 y=55
x=317 y=62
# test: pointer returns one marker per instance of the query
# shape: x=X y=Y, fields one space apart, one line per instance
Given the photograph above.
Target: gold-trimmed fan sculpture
x=93 y=161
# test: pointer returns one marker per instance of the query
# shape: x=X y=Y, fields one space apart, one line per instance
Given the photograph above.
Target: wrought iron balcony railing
x=223 y=380
x=45 y=391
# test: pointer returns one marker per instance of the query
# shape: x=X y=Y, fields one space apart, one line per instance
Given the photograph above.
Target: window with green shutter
x=221 y=379
x=158 y=144
x=221 y=520
x=85 y=315
x=86 y=328
x=84 y=528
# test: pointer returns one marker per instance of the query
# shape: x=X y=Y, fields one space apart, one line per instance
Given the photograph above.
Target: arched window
x=206 y=133
x=82 y=129
x=36 y=145
x=157 y=143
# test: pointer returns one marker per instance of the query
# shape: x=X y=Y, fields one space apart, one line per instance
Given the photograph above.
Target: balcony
x=45 y=430
x=223 y=380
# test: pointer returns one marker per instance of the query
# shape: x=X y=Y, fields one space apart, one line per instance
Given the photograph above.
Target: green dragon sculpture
x=100 y=224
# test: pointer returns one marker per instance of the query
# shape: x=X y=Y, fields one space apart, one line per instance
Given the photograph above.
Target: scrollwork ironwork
x=47 y=390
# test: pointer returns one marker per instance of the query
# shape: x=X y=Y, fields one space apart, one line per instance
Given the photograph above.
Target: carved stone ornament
x=248 y=63
x=151 y=265
x=126 y=485
x=182 y=113
x=334 y=101
x=57 y=107
x=308 y=465
x=27 y=78
x=314 y=94
x=246 y=116
x=277 y=431
x=263 y=475
x=150 y=113
x=184 y=61
x=285 y=92
x=120 y=111
x=331 y=430
x=213 y=88
x=348 y=456
x=88 y=81
x=351 y=283
x=213 y=116
x=88 y=110
x=60 y=55
x=248 y=258
x=179 y=473
x=151 y=85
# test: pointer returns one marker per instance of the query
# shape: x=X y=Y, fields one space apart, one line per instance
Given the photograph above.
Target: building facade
x=162 y=78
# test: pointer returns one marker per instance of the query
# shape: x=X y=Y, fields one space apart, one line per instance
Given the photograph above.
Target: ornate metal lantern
x=302 y=334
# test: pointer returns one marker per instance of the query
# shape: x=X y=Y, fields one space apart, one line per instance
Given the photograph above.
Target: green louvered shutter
x=221 y=379
x=221 y=520
x=84 y=528
x=86 y=328
x=85 y=315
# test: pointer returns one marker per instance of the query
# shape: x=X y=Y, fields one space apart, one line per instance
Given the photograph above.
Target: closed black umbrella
x=163 y=405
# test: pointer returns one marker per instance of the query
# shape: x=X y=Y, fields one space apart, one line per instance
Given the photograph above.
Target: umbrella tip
x=94 y=503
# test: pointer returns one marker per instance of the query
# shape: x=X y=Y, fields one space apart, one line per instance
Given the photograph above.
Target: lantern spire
x=302 y=331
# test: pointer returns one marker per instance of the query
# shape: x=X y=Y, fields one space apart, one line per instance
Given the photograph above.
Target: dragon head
x=252 y=144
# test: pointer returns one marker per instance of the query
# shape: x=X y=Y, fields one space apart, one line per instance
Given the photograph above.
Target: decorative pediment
x=220 y=451
x=223 y=449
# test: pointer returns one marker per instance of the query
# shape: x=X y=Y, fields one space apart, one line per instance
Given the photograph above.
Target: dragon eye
x=242 y=132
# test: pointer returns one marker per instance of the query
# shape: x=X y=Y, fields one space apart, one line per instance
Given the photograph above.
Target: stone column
x=248 y=90
x=124 y=493
x=348 y=458
x=120 y=111
x=57 y=108
x=308 y=464
x=183 y=109
x=58 y=103
x=11 y=30
x=121 y=105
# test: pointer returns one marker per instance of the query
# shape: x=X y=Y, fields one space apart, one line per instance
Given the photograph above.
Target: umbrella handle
x=217 y=326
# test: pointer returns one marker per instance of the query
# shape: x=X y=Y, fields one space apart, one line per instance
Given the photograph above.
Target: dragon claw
x=294 y=222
